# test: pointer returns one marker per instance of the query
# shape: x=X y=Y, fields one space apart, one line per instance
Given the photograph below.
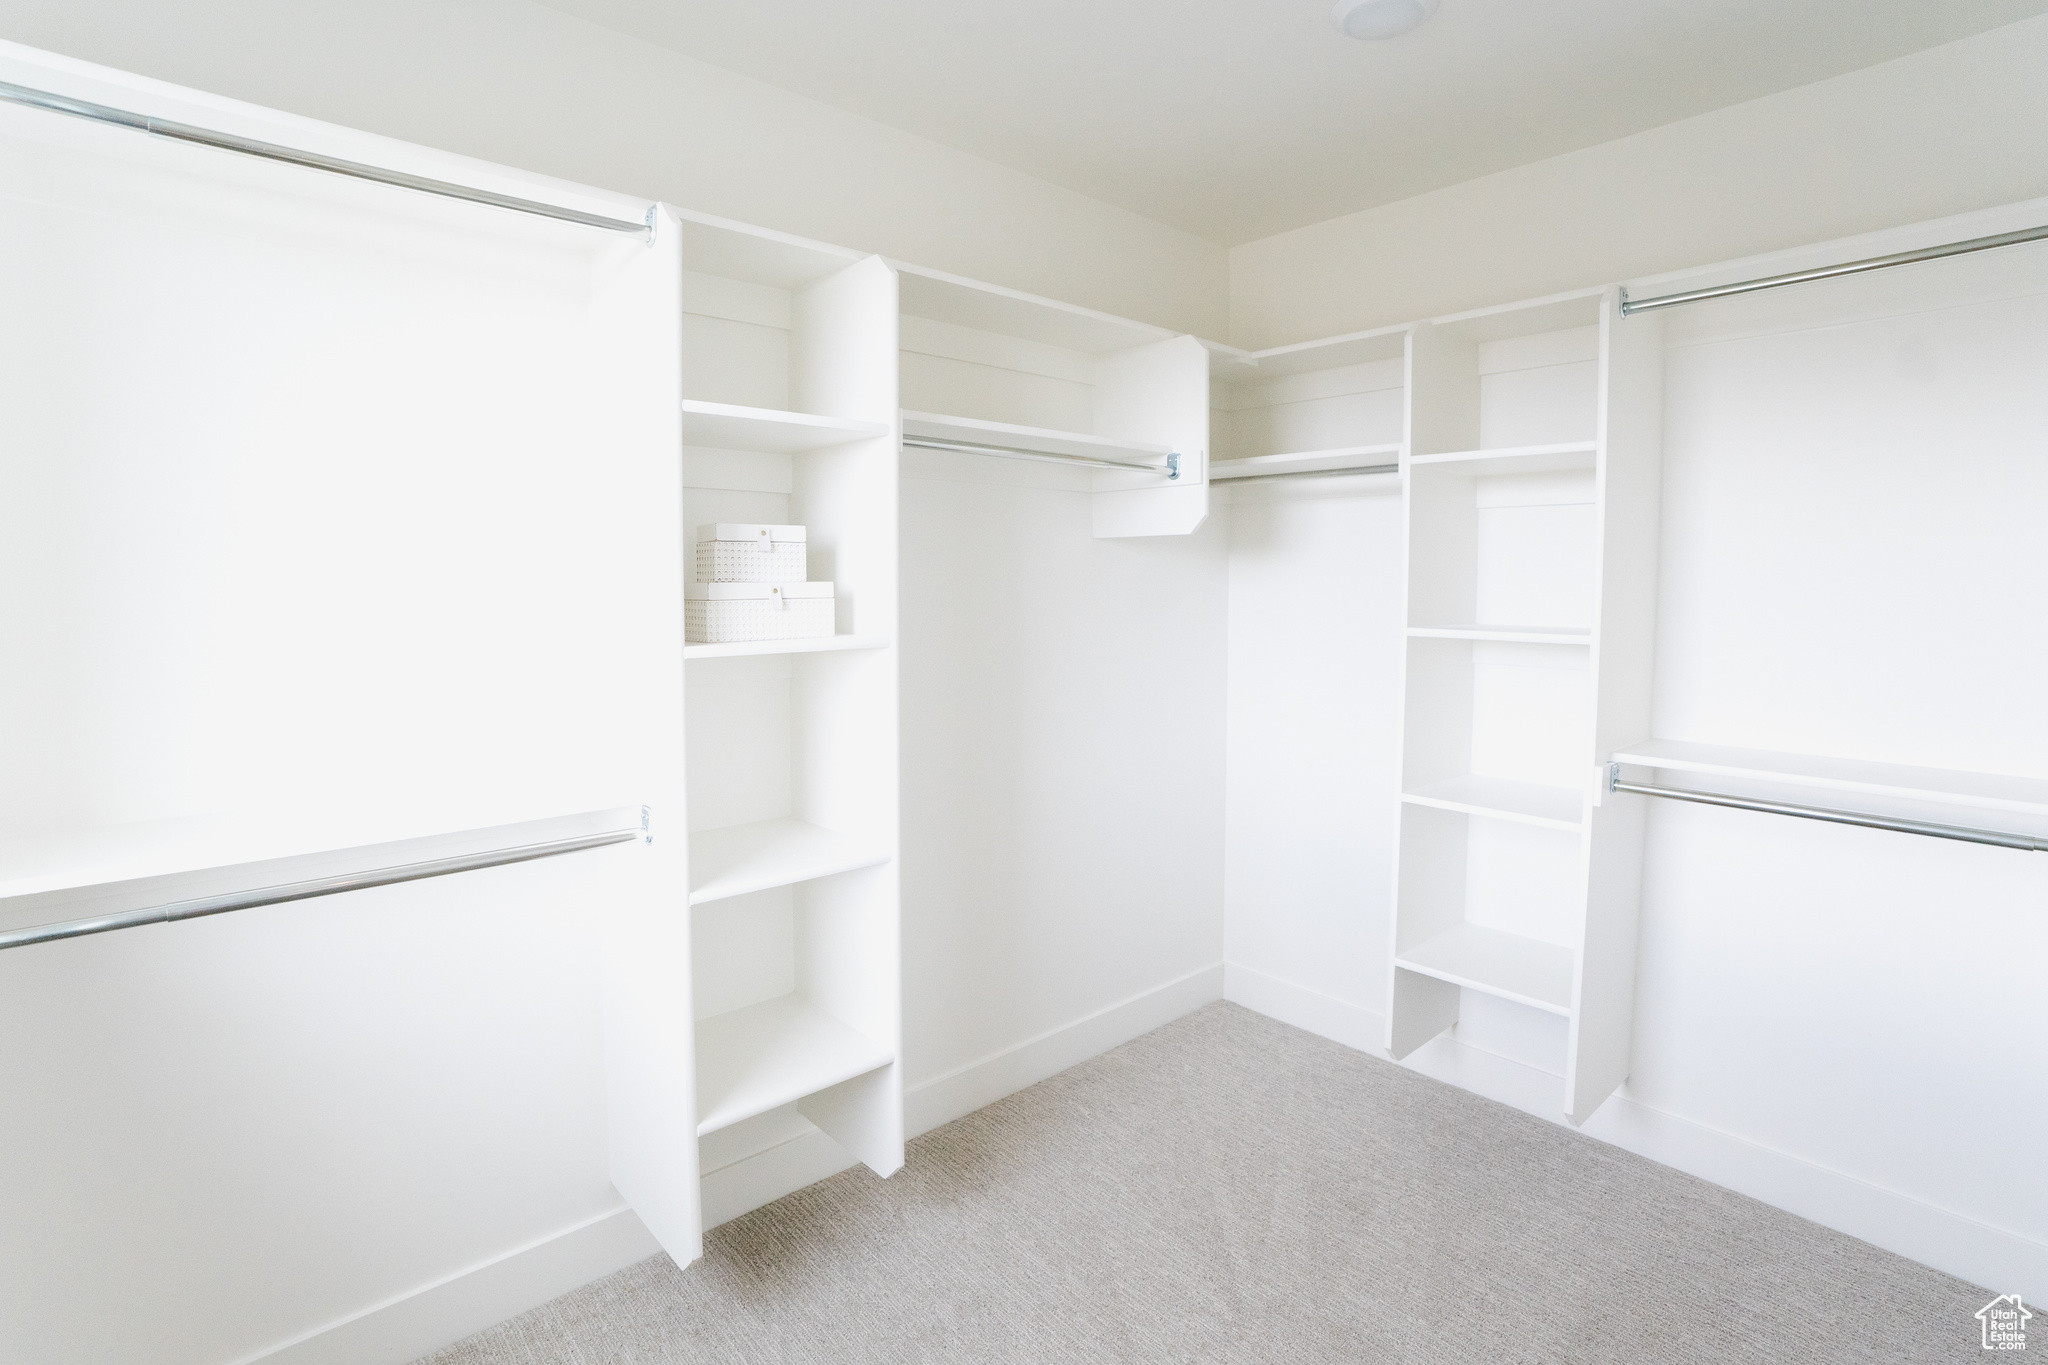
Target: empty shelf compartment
x=1508 y=965
x=1504 y=798
x=764 y=1056
x=728 y=426
x=739 y=859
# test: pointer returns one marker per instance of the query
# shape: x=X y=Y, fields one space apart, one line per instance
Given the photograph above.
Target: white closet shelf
x=1544 y=459
x=1513 y=635
x=1951 y=786
x=1041 y=439
x=1352 y=348
x=819 y=645
x=755 y=1059
x=1503 y=798
x=727 y=426
x=926 y=293
x=1508 y=965
x=1305 y=461
x=740 y=859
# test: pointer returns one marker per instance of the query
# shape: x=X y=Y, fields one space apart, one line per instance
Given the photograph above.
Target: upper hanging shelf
x=1984 y=791
x=1348 y=459
x=1043 y=440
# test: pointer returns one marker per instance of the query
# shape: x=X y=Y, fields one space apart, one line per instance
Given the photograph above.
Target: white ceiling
x=1236 y=119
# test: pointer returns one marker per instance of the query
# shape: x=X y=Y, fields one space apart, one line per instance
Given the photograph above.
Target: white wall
x=1063 y=703
x=526 y=86
x=1314 y=733
x=1945 y=131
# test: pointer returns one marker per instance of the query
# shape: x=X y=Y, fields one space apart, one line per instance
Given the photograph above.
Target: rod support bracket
x=1173 y=466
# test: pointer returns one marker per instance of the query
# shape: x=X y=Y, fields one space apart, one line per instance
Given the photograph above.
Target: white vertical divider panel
x=844 y=359
x=1629 y=501
x=1159 y=393
x=650 y=1039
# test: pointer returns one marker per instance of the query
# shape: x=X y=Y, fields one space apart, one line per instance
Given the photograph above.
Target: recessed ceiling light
x=1380 y=18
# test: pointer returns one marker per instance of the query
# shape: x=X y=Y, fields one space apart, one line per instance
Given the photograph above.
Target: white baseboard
x=967 y=1088
x=408 y=1327
x=2001 y=1260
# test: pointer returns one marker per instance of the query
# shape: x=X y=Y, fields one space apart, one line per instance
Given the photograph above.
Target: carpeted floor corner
x=1232 y=1189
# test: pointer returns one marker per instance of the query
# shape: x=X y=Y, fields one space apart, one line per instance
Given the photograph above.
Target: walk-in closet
x=685 y=684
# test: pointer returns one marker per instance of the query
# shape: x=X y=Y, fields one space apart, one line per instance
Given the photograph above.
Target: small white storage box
x=742 y=552
x=730 y=613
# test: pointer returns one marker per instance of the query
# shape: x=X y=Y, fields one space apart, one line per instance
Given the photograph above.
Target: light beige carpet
x=1231 y=1189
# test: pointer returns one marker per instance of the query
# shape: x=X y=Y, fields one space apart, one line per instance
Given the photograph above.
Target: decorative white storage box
x=741 y=552
x=729 y=613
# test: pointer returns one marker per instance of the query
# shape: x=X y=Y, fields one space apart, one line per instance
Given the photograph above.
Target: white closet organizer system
x=760 y=996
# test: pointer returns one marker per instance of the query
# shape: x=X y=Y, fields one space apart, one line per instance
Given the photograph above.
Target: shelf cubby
x=1527 y=971
x=1315 y=405
x=737 y=860
x=776 y=1052
x=731 y=426
x=1503 y=798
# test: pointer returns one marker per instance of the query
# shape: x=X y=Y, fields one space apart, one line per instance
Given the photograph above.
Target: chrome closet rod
x=1828 y=272
x=1171 y=469
x=270 y=151
x=1965 y=833
x=307 y=890
x=1307 y=473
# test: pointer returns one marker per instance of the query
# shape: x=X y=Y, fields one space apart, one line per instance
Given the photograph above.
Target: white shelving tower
x=770 y=1004
x=1531 y=485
